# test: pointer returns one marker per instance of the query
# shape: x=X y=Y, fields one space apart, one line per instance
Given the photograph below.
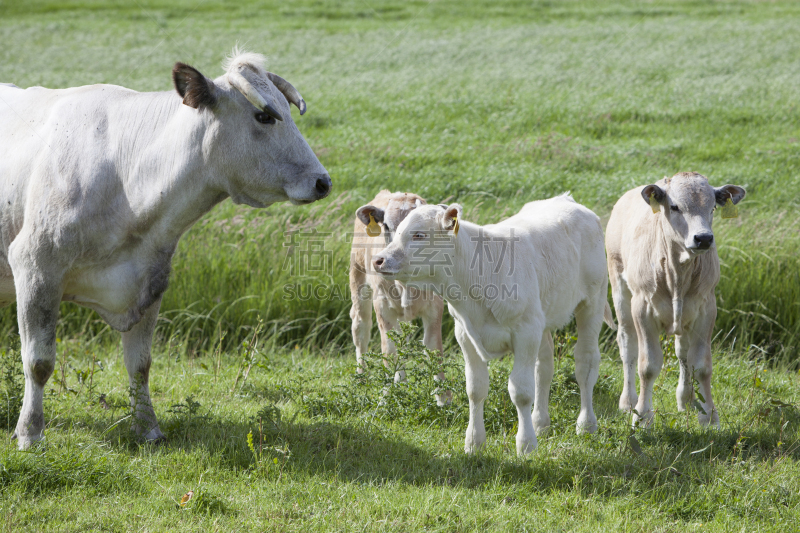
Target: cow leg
x=684 y=394
x=136 y=345
x=387 y=321
x=360 y=314
x=628 y=347
x=651 y=360
x=522 y=385
x=38 y=296
x=543 y=378
x=477 y=377
x=432 y=324
x=699 y=362
x=589 y=320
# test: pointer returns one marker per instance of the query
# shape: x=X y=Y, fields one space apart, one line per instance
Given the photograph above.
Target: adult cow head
x=686 y=201
x=256 y=152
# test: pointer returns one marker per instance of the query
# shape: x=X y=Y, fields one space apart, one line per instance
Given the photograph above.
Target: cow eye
x=675 y=208
x=419 y=236
x=263 y=118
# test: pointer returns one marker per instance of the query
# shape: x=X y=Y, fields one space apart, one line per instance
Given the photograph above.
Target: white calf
x=663 y=266
x=508 y=285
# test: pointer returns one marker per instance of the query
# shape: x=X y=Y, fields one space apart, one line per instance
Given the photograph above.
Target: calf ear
x=365 y=211
x=451 y=213
x=195 y=89
x=656 y=191
x=734 y=192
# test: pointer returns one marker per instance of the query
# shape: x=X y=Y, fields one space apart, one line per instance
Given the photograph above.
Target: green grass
x=326 y=454
x=492 y=104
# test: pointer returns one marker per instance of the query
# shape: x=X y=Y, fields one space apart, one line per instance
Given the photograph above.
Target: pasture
x=491 y=104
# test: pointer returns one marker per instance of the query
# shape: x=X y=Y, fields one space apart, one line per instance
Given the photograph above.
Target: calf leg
x=699 y=362
x=432 y=324
x=651 y=359
x=684 y=394
x=360 y=314
x=136 y=345
x=589 y=320
x=543 y=378
x=522 y=386
x=387 y=321
x=477 y=377
x=628 y=347
x=38 y=297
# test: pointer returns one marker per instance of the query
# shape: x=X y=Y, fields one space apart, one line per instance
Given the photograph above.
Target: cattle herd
x=98 y=183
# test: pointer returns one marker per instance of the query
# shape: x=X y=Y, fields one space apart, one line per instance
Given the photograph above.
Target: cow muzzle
x=322 y=188
x=703 y=241
x=381 y=266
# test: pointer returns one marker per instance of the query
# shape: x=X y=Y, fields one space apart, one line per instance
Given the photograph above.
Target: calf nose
x=704 y=240
x=323 y=186
x=377 y=262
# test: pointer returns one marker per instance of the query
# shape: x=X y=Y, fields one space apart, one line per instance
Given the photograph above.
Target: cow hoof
x=586 y=424
x=627 y=403
x=154 y=436
x=711 y=420
x=26 y=443
x=526 y=447
x=445 y=398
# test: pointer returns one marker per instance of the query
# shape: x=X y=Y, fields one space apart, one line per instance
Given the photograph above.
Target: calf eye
x=419 y=236
x=263 y=118
x=675 y=208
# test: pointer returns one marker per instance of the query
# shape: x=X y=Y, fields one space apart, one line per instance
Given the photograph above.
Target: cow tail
x=608 y=318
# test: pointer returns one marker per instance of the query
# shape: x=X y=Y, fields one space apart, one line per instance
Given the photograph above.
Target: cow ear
x=734 y=192
x=365 y=211
x=195 y=89
x=451 y=214
x=657 y=192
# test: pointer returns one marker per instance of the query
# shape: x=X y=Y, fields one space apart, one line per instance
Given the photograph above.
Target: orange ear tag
x=654 y=204
x=455 y=227
x=373 y=229
x=729 y=210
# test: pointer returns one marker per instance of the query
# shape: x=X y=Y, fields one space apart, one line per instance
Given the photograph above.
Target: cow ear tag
x=729 y=210
x=654 y=203
x=455 y=227
x=373 y=229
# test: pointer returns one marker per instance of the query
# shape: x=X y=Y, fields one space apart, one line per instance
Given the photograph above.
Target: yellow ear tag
x=729 y=210
x=654 y=204
x=455 y=227
x=373 y=229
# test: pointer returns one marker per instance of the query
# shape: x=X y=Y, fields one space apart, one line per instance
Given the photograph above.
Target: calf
x=508 y=285
x=663 y=267
x=393 y=301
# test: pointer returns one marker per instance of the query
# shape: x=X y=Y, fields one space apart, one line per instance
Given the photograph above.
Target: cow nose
x=704 y=240
x=323 y=186
x=377 y=263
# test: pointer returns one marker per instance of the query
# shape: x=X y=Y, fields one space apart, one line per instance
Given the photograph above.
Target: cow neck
x=169 y=179
x=466 y=273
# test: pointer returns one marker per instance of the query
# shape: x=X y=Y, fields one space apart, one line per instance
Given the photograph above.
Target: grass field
x=492 y=104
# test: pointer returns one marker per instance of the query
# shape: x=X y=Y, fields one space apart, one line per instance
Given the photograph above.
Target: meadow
x=491 y=104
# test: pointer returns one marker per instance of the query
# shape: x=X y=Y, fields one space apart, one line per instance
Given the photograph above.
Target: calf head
x=422 y=248
x=255 y=151
x=389 y=218
x=686 y=204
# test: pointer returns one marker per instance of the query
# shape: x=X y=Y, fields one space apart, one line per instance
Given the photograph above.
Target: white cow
x=663 y=267
x=393 y=301
x=98 y=183
x=508 y=286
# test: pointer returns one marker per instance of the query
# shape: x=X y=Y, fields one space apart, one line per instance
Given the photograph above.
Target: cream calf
x=508 y=285
x=392 y=300
x=663 y=268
